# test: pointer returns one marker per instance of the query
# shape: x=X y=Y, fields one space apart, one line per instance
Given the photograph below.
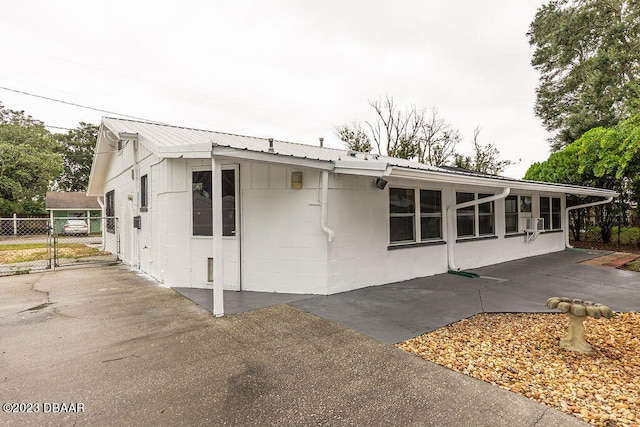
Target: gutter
x=324 y=205
x=586 y=205
x=451 y=210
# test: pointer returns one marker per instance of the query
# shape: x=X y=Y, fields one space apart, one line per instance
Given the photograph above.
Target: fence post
x=15 y=224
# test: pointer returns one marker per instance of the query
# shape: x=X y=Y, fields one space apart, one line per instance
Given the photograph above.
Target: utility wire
x=76 y=105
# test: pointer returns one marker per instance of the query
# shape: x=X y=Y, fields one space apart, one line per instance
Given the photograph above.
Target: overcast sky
x=287 y=69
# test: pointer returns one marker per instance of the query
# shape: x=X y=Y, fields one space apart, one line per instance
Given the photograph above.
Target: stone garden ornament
x=578 y=310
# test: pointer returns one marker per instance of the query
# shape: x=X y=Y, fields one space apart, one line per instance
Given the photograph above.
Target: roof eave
x=270 y=157
x=453 y=178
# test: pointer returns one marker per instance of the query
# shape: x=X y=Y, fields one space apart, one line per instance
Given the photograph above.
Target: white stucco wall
x=361 y=255
x=283 y=246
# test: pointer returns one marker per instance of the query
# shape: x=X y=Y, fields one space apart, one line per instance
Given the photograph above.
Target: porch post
x=216 y=205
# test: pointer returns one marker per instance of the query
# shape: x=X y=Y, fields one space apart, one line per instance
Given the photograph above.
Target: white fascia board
x=100 y=162
x=489 y=182
x=193 y=151
x=258 y=156
x=360 y=167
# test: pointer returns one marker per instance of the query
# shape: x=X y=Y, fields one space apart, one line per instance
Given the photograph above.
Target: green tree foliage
x=28 y=163
x=601 y=157
x=587 y=54
x=486 y=158
x=354 y=137
x=76 y=148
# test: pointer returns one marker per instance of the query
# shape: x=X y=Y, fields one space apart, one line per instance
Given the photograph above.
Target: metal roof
x=174 y=141
x=168 y=141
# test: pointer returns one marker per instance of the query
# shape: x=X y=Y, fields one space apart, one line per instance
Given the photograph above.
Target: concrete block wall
x=283 y=246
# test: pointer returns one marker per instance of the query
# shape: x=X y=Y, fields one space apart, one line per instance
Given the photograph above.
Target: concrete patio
x=398 y=311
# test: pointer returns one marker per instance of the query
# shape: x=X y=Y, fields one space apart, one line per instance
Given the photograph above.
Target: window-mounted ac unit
x=533 y=227
x=534 y=224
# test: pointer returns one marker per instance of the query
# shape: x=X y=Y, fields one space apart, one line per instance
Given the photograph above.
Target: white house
x=196 y=207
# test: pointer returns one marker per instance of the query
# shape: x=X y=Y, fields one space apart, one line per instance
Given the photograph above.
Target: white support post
x=216 y=196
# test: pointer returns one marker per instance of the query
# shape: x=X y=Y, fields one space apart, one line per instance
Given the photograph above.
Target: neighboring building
x=197 y=207
x=61 y=205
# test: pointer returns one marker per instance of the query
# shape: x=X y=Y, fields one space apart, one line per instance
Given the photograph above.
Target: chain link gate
x=85 y=240
x=41 y=244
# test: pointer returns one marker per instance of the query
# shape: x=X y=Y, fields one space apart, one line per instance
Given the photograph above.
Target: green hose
x=464 y=273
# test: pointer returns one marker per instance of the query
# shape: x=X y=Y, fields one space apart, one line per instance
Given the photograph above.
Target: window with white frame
x=550 y=212
x=482 y=214
x=110 y=210
x=402 y=211
x=202 y=208
x=144 y=192
x=430 y=215
x=511 y=214
x=414 y=215
x=515 y=208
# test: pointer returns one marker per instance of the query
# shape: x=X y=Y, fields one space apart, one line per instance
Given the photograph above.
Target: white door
x=230 y=227
x=201 y=244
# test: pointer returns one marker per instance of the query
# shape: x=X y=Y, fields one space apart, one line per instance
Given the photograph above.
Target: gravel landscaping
x=520 y=352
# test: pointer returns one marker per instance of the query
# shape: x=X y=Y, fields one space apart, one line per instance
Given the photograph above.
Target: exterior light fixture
x=381 y=183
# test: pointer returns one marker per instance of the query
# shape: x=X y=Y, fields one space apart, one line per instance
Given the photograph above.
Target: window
x=414 y=212
x=430 y=214
x=110 y=210
x=466 y=217
x=550 y=213
x=228 y=202
x=402 y=207
x=483 y=214
x=516 y=207
x=202 y=206
x=144 y=193
x=486 y=216
x=511 y=214
x=556 y=222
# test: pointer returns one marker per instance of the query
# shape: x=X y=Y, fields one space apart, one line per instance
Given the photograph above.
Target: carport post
x=216 y=205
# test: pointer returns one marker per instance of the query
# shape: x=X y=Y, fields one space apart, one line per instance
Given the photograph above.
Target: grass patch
x=28 y=252
x=633 y=265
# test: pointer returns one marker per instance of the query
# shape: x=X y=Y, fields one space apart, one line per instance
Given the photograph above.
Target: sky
x=285 y=69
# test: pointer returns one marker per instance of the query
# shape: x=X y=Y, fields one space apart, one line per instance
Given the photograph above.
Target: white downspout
x=450 y=220
x=324 y=205
x=571 y=208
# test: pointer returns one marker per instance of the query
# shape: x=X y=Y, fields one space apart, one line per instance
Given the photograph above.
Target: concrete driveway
x=120 y=350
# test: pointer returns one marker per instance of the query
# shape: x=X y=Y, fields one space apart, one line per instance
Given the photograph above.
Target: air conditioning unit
x=534 y=224
x=533 y=227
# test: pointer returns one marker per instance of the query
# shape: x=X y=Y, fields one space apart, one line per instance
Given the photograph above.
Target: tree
x=563 y=167
x=76 y=148
x=28 y=163
x=411 y=133
x=438 y=140
x=486 y=158
x=601 y=157
x=395 y=132
x=586 y=53
x=354 y=137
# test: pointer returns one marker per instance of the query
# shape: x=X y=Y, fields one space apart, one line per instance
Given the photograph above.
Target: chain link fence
x=35 y=244
x=74 y=244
